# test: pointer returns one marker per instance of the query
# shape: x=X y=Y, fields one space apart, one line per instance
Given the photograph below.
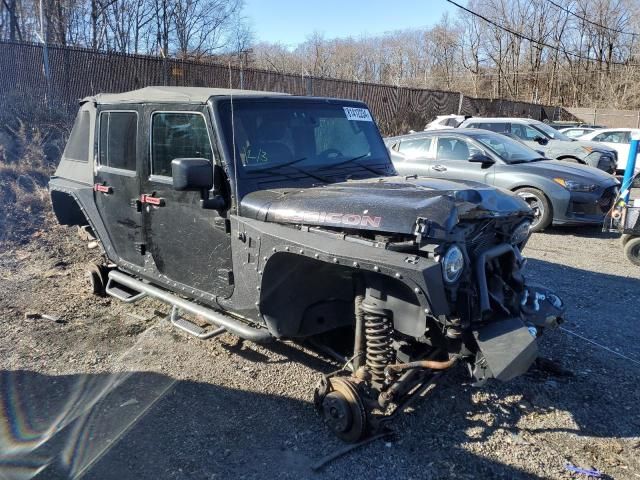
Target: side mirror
x=481 y=158
x=192 y=174
x=198 y=174
x=541 y=140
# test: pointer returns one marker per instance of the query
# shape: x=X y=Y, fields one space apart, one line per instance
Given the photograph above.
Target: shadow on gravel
x=587 y=231
x=146 y=425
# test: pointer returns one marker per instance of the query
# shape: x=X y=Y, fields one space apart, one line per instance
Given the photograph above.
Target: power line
x=565 y=9
x=538 y=42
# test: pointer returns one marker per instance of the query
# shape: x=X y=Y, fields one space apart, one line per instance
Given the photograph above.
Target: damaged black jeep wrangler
x=281 y=217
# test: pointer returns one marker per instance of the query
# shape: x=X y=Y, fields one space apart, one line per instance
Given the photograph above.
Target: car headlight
x=521 y=234
x=587 y=149
x=452 y=264
x=574 y=186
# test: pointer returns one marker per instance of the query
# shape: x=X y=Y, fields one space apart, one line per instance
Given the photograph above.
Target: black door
x=117 y=184
x=189 y=244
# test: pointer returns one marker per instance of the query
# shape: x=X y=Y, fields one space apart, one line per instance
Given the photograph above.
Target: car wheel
x=97 y=278
x=624 y=238
x=632 y=250
x=542 y=213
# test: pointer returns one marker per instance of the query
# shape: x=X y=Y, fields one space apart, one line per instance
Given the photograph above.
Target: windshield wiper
x=355 y=160
x=276 y=166
x=290 y=164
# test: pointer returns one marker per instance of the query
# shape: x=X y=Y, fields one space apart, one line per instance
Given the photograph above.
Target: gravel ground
x=110 y=391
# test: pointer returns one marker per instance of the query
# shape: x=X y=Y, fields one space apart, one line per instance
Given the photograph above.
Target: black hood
x=388 y=204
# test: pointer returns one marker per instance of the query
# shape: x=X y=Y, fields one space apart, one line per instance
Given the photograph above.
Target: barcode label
x=358 y=114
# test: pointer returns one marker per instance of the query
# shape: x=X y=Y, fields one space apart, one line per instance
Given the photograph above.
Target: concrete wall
x=607 y=117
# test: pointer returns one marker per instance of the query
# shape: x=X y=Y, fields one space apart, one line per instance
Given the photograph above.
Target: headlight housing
x=521 y=234
x=452 y=264
x=574 y=186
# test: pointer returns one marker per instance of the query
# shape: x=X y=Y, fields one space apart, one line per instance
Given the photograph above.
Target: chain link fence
x=40 y=82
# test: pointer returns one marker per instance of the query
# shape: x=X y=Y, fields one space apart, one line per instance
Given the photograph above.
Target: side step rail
x=124 y=293
x=218 y=319
x=191 y=328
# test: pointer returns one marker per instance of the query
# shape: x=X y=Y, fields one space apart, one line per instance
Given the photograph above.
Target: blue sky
x=290 y=21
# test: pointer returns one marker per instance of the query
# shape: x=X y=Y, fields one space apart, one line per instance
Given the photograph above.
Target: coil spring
x=378 y=328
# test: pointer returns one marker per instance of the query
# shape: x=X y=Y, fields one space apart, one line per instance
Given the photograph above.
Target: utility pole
x=45 y=57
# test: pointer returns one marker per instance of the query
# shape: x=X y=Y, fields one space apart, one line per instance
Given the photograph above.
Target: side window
x=177 y=135
x=525 y=132
x=78 y=144
x=499 y=127
x=612 y=137
x=454 y=148
x=118 y=137
x=418 y=148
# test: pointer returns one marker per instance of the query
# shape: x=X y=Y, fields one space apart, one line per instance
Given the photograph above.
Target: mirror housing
x=198 y=174
x=481 y=158
x=541 y=140
x=192 y=174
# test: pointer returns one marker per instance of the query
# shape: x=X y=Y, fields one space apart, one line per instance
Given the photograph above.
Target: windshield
x=317 y=139
x=549 y=131
x=511 y=151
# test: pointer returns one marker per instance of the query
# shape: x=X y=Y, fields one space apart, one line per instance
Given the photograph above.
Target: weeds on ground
x=24 y=172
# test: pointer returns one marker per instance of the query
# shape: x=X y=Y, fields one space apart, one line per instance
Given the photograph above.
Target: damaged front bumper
x=507 y=348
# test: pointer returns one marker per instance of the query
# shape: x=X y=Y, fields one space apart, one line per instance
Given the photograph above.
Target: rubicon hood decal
x=388 y=204
x=329 y=218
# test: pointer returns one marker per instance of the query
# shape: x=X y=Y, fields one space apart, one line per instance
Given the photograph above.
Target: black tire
x=97 y=277
x=539 y=203
x=632 y=250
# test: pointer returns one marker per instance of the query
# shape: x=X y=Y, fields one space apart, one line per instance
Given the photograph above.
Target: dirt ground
x=96 y=388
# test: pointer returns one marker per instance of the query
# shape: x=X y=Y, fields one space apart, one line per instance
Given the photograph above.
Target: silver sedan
x=559 y=193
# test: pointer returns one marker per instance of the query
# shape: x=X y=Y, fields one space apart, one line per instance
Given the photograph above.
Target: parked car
x=558 y=192
x=575 y=132
x=618 y=139
x=281 y=217
x=445 y=121
x=561 y=125
x=551 y=142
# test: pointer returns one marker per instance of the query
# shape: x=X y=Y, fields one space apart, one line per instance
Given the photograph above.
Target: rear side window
x=498 y=127
x=415 y=148
x=177 y=135
x=78 y=145
x=118 y=136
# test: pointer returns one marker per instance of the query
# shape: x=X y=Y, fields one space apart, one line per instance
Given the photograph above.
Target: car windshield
x=319 y=139
x=511 y=151
x=549 y=131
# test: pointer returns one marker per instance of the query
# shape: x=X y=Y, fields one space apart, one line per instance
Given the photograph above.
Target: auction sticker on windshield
x=359 y=114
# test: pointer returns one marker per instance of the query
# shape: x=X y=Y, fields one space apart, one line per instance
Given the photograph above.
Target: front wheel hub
x=343 y=410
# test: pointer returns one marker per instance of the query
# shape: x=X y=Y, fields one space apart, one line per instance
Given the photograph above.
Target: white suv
x=549 y=141
x=445 y=121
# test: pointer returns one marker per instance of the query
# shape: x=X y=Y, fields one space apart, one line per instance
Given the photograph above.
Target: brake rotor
x=343 y=410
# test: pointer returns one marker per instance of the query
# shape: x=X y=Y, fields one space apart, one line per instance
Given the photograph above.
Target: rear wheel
x=632 y=250
x=97 y=278
x=625 y=238
x=542 y=212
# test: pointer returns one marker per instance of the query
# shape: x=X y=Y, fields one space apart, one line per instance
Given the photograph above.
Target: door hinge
x=141 y=248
